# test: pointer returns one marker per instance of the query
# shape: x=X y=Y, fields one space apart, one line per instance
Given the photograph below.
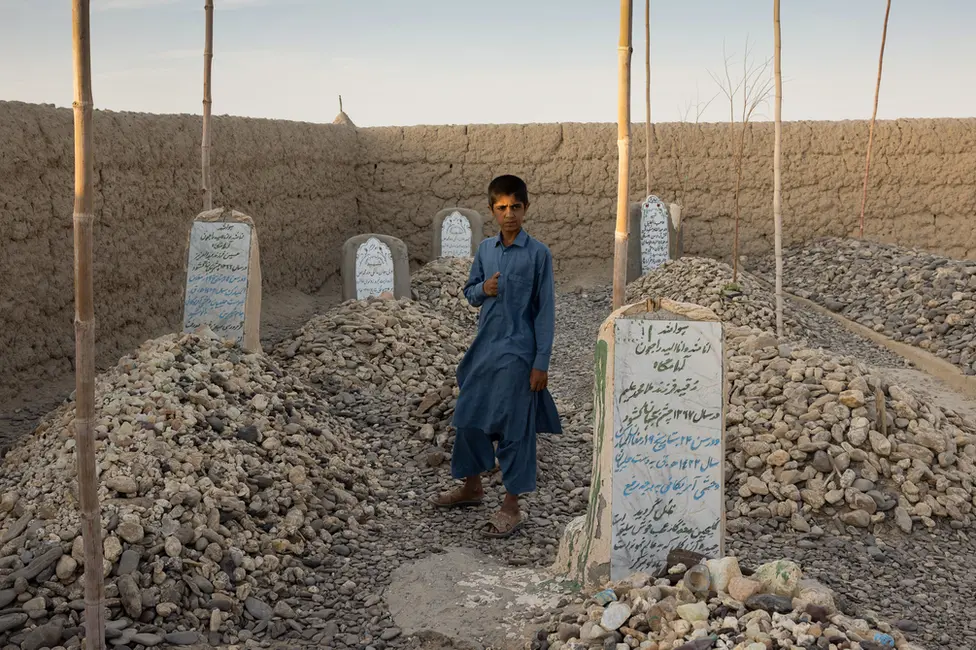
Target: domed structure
x=342 y=118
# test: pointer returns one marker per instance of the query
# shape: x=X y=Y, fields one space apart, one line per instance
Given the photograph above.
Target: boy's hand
x=538 y=380
x=491 y=285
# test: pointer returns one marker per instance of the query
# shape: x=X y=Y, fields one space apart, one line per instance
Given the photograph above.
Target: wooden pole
x=777 y=169
x=84 y=219
x=874 y=115
x=647 y=96
x=205 y=146
x=621 y=236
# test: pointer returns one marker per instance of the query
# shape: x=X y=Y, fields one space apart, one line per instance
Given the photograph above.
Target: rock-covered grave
x=232 y=485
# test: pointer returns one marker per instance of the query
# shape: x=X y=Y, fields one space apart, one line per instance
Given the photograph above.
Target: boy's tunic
x=515 y=335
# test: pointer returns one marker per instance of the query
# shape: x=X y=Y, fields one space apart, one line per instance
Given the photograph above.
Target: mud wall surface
x=921 y=192
x=311 y=186
x=296 y=180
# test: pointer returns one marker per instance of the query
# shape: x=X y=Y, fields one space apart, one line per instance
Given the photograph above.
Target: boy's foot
x=502 y=524
x=458 y=497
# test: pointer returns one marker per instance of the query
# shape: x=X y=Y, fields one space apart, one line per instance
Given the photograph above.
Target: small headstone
x=457 y=232
x=375 y=266
x=659 y=438
x=653 y=237
x=374 y=269
x=223 y=278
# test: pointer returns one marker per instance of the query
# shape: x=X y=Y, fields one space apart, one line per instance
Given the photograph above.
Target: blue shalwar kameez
x=515 y=334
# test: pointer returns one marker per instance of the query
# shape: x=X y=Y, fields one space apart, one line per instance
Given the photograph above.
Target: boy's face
x=509 y=212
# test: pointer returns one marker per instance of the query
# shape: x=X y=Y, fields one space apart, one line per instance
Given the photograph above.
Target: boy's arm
x=545 y=317
x=474 y=290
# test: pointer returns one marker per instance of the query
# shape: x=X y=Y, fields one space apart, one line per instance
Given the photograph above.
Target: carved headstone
x=659 y=444
x=457 y=233
x=223 y=278
x=373 y=265
x=653 y=237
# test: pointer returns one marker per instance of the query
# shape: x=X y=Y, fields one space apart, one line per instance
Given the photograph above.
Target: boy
x=503 y=378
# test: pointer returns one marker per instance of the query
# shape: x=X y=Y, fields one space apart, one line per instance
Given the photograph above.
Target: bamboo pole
x=647 y=97
x=84 y=218
x=621 y=234
x=777 y=169
x=205 y=145
x=874 y=115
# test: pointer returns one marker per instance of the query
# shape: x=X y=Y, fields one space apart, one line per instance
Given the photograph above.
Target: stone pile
x=227 y=495
x=713 y=605
x=750 y=302
x=707 y=282
x=440 y=284
x=810 y=432
x=922 y=299
x=396 y=358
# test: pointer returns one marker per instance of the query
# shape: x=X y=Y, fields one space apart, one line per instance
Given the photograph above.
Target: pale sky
x=405 y=62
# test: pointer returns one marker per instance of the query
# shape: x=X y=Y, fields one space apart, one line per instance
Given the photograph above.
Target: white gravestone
x=374 y=269
x=217 y=277
x=654 y=234
x=668 y=450
x=456 y=236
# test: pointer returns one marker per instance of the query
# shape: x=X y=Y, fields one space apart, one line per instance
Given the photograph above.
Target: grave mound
x=707 y=282
x=223 y=485
x=387 y=358
x=440 y=284
x=809 y=432
x=922 y=299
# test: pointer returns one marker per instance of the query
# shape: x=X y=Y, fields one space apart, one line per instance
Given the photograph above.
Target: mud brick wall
x=296 y=180
x=311 y=186
x=922 y=190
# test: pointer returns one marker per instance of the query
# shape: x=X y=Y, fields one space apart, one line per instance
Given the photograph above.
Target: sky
x=407 y=62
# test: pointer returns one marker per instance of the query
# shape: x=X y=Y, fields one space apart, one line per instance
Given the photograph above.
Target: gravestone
x=373 y=265
x=457 y=232
x=653 y=237
x=659 y=446
x=223 y=278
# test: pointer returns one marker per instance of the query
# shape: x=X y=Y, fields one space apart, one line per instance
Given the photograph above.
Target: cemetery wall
x=922 y=189
x=311 y=186
x=296 y=180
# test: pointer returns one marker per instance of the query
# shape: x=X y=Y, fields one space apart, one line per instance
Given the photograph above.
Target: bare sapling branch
x=754 y=86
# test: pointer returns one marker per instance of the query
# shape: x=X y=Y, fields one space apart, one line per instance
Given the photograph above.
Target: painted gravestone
x=373 y=265
x=658 y=449
x=374 y=269
x=667 y=442
x=223 y=278
x=653 y=237
x=457 y=232
x=655 y=234
x=456 y=236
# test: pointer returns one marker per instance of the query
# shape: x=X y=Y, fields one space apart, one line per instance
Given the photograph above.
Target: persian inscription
x=217 y=278
x=655 y=237
x=374 y=269
x=456 y=236
x=667 y=442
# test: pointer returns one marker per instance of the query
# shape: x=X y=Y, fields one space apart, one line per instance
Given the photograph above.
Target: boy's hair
x=507 y=185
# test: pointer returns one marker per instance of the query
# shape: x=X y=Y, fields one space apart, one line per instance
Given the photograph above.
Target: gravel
x=912 y=296
x=750 y=302
x=313 y=465
x=774 y=606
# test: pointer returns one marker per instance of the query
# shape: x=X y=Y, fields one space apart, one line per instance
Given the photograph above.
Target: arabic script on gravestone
x=374 y=269
x=654 y=235
x=667 y=442
x=216 y=279
x=456 y=236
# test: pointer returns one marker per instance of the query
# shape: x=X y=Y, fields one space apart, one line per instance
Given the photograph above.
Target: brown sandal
x=504 y=525
x=452 y=499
